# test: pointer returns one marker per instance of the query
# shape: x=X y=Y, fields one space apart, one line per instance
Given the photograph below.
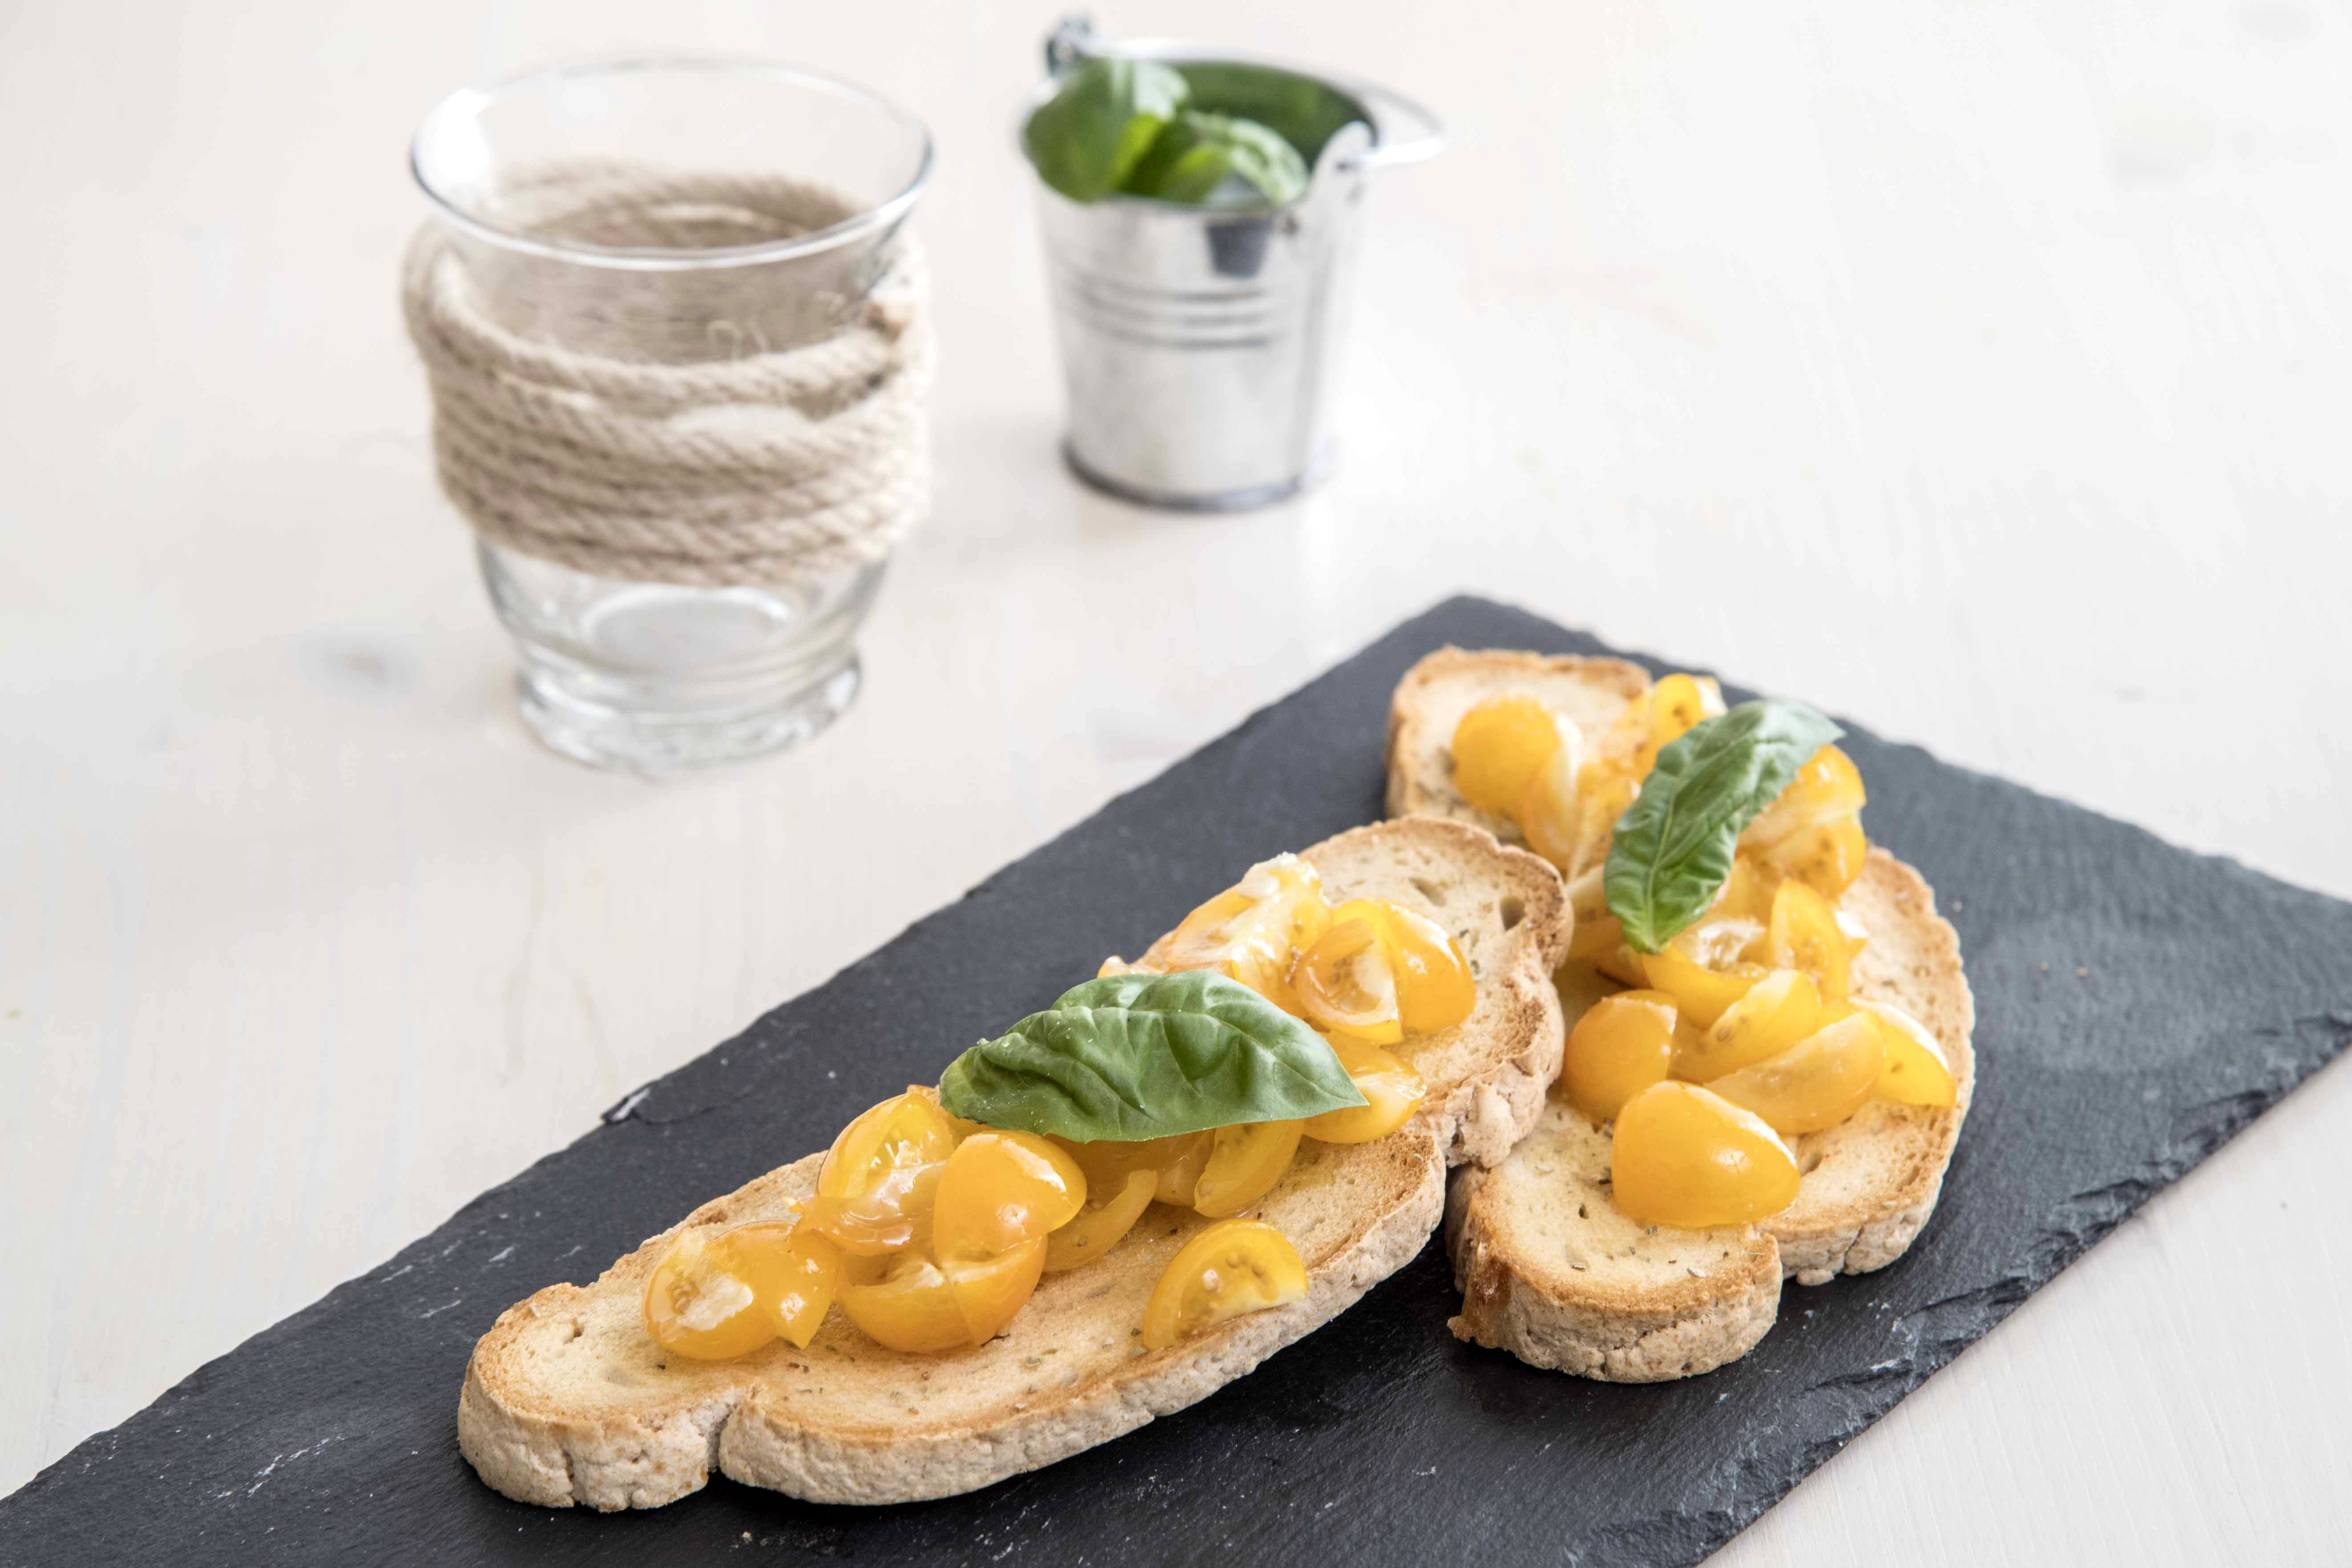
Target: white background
x=1980 y=370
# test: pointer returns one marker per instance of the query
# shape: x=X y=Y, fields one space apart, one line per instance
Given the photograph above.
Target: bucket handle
x=1402 y=130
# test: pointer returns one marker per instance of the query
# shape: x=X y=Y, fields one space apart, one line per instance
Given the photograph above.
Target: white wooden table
x=1980 y=370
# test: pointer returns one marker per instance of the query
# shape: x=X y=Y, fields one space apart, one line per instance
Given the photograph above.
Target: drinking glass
x=655 y=677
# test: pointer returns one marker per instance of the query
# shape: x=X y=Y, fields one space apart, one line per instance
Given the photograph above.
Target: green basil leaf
x=1087 y=138
x=1301 y=110
x=1672 y=849
x=1194 y=153
x=1143 y=1056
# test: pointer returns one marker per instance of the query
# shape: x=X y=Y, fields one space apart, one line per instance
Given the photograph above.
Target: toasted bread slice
x=1436 y=692
x=568 y=1400
x=1670 y=1304
x=1506 y=906
x=1552 y=1272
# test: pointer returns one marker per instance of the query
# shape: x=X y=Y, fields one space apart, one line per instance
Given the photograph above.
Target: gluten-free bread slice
x=1658 y=1311
x=567 y=1400
x=1551 y=1271
x=1506 y=906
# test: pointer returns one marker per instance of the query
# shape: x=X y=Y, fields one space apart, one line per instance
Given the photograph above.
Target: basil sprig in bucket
x=1131 y=1056
x=1138 y=128
x=1672 y=851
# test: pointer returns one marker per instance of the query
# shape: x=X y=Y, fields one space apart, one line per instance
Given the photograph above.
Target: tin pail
x=1198 y=342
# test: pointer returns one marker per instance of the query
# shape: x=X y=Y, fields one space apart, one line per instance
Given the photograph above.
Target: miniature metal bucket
x=1198 y=342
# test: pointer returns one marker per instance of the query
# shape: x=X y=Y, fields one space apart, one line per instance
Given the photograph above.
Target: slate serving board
x=2136 y=1005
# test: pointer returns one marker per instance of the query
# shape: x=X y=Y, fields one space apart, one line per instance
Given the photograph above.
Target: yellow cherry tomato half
x=1677 y=702
x=1826 y=857
x=1243 y=1164
x=1550 y=812
x=893 y=1215
x=1000 y=1189
x=801 y=1293
x=1917 y=1071
x=1345 y=985
x=1684 y=1156
x=1180 y=1172
x=1777 y=1012
x=903 y=1131
x=703 y=1298
x=1393 y=1091
x=1622 y=1046
x=1816 y=1083
x=1097 y=1228
x=922 y=1305
x=1828 y=785
x=1434 y=990
x=1498 y=746
x=1701 y=994
x=1254 y=930
x=1805 y=935
x=1233 y=1267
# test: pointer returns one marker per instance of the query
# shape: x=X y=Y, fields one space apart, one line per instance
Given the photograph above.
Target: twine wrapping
x=578 y=445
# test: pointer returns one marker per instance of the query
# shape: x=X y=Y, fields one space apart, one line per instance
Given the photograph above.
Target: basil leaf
x=1087 y=137
x=1302 y=111
x=1193 y=156
x=1129 y=1057
x=1672 y=849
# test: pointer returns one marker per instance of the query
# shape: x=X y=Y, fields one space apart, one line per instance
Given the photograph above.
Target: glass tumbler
x=650 y=677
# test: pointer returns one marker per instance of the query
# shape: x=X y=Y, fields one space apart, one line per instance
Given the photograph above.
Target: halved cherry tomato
x=703 y=1298
x=1393 y=1091
x=1828 y=785
x=1000 y=1189
x=1701 y=995
x=1721 y=941
x=1233 y=1267
x=912 y=1301
x=1244 y=1163
x=1597 y=937
x=1254 y=930
x=1383 y=970
x=1676 y=703
x=893 y=1215
x=1097 y=1230
x=1551 y=812
x=798 y=1299
x=1434 y=990
x=1684 y=1156
x=1804 y=934
x=1828 y=856
x=1345 y=983
x=1917 y=1071
x=1818 y=1082
x=1499 y=745
x=1179 y=1174
x=903 y=1131
x=1622 y=1046
x=1777 y=1011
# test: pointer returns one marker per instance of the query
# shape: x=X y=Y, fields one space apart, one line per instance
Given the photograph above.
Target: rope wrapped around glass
x=679 y=394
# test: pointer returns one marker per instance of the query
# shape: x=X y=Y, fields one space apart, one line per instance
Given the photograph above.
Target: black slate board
x=2136 y=1005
